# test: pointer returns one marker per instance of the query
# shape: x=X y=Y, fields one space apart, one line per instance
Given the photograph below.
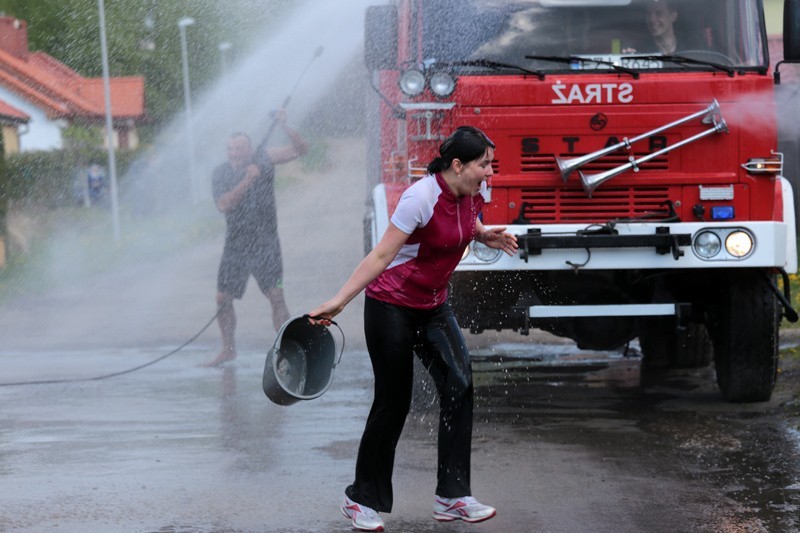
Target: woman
x=406 y=277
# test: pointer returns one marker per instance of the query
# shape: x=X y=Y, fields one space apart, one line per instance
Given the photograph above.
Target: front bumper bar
x=664 y=242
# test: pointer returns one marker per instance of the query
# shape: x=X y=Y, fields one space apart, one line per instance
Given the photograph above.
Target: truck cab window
x=719 y=31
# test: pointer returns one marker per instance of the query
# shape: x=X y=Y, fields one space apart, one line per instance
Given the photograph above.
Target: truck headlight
x=484 y=253
x=442 y=84
x=412 y=82
x=739 y=243
x=707 y=244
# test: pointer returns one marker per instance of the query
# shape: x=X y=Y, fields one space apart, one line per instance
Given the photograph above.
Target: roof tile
x=62 y=92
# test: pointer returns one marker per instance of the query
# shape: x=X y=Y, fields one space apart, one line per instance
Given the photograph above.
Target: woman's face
x=476 y=172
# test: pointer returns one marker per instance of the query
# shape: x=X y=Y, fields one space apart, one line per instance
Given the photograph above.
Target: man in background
x=243 y=189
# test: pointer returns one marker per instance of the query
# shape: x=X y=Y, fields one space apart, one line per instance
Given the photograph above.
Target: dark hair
x=466 y=144
x=670 y=5
x=236 y=134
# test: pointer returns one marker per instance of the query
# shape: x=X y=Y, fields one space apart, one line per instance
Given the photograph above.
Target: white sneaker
x=465 y=508
x=364 y=518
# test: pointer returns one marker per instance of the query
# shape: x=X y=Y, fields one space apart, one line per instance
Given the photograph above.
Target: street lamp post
x=223 y=48
x=112 y=162
x=187 y=98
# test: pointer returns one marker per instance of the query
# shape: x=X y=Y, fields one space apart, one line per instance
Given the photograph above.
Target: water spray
x=317 y=53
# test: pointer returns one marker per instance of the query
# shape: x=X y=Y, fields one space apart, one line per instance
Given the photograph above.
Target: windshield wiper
x=682 y=60
x=568 y=60
x=497 y=65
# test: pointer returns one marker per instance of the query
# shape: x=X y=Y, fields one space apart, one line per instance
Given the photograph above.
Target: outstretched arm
x=370 y=268
x=297 y=148
x=496 y=238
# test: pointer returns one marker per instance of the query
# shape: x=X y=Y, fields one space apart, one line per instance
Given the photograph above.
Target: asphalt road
x=564 y=441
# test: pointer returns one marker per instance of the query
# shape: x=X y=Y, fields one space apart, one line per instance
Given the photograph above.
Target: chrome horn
x=567 y=166
x=591 y=182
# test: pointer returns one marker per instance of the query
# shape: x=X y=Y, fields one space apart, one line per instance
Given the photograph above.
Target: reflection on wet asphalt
x=563 y=441
x=747 y=453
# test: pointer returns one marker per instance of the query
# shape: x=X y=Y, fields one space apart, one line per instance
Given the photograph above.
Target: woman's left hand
x=498 y=238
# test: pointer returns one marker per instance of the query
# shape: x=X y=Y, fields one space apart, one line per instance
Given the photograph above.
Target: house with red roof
x=40 y=96
x=11 y=119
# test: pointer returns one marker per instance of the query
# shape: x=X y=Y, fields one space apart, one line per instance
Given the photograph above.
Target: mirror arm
x=397 y=112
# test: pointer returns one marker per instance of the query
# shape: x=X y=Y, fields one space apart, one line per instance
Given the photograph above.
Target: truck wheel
x=664 y=344
x=745 y=335
x=693 y=347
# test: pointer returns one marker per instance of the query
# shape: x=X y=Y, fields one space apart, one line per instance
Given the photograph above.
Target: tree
x=143 y=39
x=4 y=194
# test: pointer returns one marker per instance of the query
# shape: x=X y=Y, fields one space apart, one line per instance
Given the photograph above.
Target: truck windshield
x=712 y=32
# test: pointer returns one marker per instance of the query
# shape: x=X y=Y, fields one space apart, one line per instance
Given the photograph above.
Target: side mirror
x=791 y=30
x=380 y=37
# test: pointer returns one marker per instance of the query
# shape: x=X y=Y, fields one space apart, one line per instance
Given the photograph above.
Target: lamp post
x=223 y=48
x=187 y=98
x=112 y=162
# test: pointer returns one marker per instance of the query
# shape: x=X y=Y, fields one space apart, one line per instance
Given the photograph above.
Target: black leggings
x=393 y=335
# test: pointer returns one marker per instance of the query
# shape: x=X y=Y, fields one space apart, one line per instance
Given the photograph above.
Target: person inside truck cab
x=661 y=19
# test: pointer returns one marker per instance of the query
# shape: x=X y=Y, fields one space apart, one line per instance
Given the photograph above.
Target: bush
x=316 y=159
x=50 y=178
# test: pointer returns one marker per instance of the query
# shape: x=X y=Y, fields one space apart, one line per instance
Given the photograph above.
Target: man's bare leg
x=280 y=313
x=226 y=318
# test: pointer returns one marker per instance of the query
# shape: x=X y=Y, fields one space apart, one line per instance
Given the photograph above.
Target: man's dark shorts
x=264 y=263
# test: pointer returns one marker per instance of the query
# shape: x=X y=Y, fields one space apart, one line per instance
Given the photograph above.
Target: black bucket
x=301 y=362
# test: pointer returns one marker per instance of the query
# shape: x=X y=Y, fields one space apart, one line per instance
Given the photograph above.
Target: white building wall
x=42 y=133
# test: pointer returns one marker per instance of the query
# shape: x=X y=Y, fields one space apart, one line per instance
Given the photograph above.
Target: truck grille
x=534 y=163
x=572 y=205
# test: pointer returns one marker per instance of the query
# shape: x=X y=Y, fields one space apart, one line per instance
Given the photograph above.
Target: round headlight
x=484 y=253
x=739 y=243
x=707 y=244
x=442 y=84
x=412 y=82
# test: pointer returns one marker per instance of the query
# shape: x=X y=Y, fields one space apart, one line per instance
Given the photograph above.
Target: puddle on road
x=604 y=401
x=556 y=365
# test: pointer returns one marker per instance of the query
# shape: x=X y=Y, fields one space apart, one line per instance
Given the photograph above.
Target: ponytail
x=436 y=166
x=466 y=144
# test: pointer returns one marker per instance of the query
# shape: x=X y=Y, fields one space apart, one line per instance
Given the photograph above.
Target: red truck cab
x=636 y=162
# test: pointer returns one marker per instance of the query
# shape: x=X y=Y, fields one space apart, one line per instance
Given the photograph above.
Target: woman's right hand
x=324 y=313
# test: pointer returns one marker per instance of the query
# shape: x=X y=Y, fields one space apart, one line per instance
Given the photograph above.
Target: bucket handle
x=341 y=334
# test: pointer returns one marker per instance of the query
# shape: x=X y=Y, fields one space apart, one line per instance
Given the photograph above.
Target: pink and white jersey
x=440 y=225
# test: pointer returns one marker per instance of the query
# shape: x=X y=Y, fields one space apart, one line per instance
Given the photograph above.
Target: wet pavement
x=564 y=440
x=736 y=464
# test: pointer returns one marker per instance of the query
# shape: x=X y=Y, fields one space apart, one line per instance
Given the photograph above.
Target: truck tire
x=745 y=336
x=664 y=344
x=693 y=347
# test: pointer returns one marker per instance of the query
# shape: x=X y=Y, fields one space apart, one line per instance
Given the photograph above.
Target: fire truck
x=636 y=163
